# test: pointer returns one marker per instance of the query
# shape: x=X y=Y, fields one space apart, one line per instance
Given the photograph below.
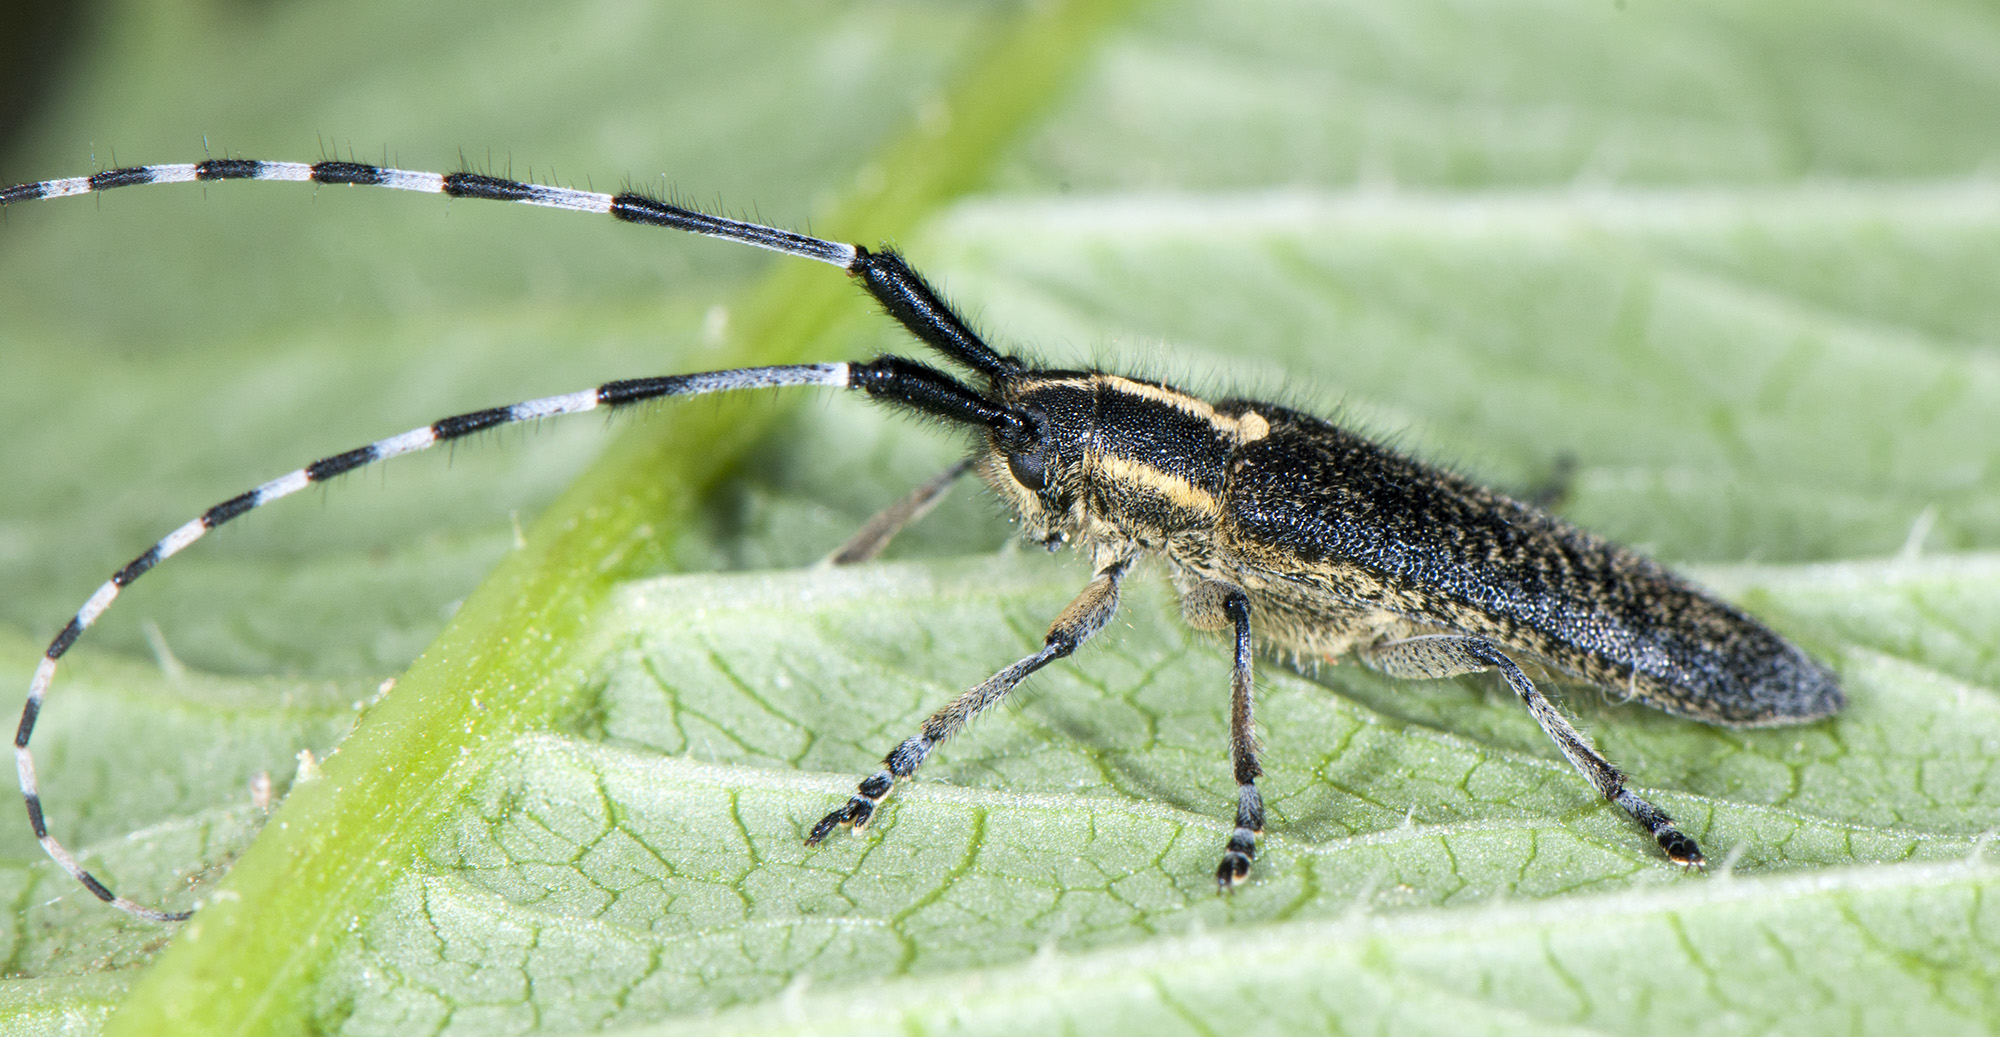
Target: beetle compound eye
x=1028 y=468
x=1021 y=434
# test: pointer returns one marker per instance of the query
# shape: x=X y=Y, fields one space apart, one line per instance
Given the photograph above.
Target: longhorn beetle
x=1276 y=527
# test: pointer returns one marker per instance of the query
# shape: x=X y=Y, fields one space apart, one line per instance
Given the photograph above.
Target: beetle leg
x=875 y=534
x=1213 y=605
x=1084 y=616
x=1448 y=655
x=1242 y=846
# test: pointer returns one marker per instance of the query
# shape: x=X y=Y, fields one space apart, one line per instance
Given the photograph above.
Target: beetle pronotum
x=1276 y=527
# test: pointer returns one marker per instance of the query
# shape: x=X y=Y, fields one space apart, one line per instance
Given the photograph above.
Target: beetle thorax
x=1121 y=461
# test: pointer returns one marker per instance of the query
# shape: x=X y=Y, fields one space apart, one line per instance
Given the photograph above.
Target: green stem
x=508 y=663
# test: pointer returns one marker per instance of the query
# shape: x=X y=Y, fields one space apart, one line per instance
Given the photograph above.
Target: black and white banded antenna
x=895 y=380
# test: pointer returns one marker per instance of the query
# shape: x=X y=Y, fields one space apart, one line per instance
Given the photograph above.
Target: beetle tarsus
x=1235 y=867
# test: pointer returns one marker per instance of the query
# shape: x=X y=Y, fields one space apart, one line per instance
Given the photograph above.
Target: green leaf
x=1737 y=263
